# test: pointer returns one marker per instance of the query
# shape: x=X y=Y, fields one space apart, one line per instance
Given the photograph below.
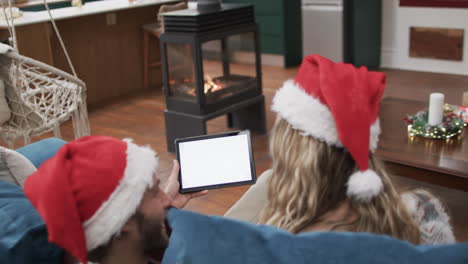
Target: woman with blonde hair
x=324 y=175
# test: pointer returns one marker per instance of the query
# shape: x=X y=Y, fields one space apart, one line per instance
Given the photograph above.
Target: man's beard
x=155 y=238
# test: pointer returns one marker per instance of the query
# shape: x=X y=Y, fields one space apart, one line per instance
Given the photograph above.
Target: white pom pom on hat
x=364 y=185
x=337 y=103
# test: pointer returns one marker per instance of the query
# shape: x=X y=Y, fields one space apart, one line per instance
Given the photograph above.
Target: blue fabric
x=23 y=234
x=42 y=150
x=200 y=239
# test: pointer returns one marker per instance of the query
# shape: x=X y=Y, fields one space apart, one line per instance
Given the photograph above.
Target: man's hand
x=171 y=188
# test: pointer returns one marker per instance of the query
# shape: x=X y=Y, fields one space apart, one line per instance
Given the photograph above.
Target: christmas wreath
x=452 y=125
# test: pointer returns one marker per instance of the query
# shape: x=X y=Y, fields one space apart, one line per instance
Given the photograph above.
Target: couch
x=198 y=239
x=23 y=234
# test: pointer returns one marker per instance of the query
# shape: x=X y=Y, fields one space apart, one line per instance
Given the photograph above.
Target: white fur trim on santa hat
x=364 y=185
x=309 y=115
x=123 y=202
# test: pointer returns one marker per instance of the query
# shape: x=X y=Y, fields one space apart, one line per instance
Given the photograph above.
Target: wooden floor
x=141 y=117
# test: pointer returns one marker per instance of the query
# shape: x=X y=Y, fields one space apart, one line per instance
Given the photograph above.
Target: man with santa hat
x=102 y=201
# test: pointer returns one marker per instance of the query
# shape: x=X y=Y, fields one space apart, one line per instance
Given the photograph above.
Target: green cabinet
x=362 y=32
x=280 y=26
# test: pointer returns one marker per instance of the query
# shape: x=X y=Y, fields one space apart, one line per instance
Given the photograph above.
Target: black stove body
x=204 y=58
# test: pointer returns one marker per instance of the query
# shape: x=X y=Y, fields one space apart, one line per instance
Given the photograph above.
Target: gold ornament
x=448 y=108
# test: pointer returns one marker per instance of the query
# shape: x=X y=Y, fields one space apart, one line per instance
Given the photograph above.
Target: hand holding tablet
x=171 y=187
x=215 y=161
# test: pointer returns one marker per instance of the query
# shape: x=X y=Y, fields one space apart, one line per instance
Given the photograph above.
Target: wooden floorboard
x=141 y=117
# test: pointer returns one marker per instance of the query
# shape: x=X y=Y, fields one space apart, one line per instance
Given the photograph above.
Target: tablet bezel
x=216 y=186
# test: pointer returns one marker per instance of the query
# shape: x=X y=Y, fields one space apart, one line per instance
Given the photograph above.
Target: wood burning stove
x=211 y=67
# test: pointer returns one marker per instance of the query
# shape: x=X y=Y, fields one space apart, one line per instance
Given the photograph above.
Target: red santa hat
x=338 y=104
x=90 y=189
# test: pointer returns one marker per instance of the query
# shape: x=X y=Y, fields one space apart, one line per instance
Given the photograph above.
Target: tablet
x=215 y=161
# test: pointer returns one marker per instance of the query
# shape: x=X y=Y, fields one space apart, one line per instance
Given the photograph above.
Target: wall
x=395 y=36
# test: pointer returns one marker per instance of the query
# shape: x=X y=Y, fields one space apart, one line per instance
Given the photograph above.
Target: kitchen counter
x=104 y=40
x=91 y=8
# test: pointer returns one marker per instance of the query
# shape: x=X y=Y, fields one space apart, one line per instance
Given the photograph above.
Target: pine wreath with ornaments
x=452 y=124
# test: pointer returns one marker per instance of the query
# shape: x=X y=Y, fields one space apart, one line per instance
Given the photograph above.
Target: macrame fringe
x=80 y=119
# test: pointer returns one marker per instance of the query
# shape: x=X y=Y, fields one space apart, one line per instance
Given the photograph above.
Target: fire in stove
x=212 y=86
x=186 y=85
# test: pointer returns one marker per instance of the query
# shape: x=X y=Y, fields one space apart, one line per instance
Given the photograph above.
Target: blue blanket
x=200 y=239
x=23 y=234
x=42 y=150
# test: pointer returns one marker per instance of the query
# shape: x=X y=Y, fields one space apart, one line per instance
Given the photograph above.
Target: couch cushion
x=42 y=150
x=198 y=239
x=14 y=167
x=23 y=235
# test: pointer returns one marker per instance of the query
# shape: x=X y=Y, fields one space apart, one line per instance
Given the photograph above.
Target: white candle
x=436 y=109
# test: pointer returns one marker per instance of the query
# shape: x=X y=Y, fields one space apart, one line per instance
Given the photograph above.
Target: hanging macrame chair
x=40 y=96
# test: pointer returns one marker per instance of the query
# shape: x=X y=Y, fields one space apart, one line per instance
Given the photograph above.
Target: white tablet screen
x=215 y=161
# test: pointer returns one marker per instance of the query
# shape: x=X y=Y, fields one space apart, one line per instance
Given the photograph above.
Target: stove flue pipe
x=208 y=5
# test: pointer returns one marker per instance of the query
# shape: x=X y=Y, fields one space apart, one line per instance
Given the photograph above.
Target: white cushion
x=14 y=167
x=5 y=112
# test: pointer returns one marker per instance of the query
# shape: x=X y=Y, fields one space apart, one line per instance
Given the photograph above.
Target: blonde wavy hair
x=309 y=179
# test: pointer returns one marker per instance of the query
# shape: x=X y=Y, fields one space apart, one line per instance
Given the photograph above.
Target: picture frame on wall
x=435 y=3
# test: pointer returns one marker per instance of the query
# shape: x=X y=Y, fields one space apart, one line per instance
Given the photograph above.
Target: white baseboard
x=431 y=69
x=387 y=58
